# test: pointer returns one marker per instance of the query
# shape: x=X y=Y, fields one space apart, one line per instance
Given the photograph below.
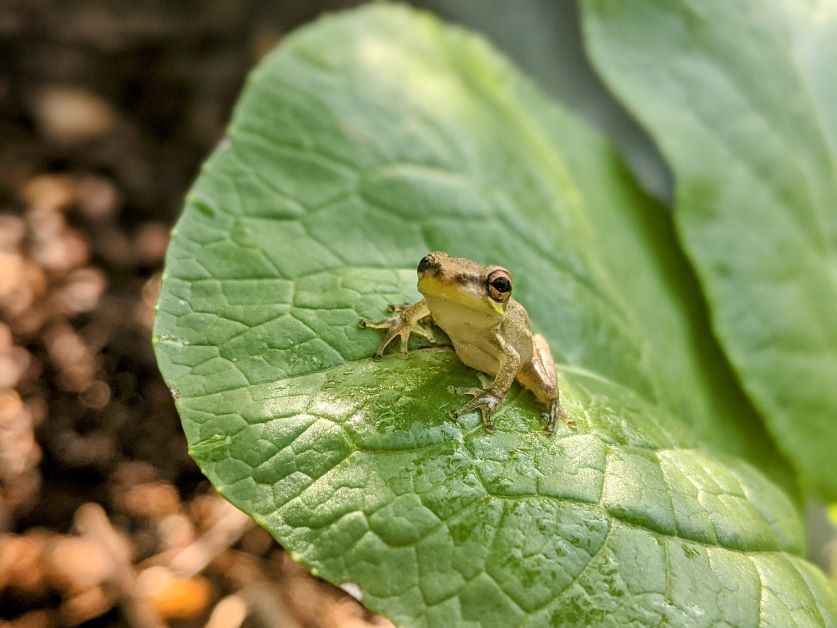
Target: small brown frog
x=489 y=330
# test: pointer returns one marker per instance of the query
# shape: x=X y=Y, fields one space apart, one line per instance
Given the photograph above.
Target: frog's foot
x=551 y=416
x=485 y=401
x=407 y=321
x=423 y=327
x=395 y=326
x=426 y=332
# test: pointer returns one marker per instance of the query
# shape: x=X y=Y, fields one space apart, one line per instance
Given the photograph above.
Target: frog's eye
x=499 y=285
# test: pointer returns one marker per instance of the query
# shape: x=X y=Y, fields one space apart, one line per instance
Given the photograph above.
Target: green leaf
x=742 y=99
x=361 y=143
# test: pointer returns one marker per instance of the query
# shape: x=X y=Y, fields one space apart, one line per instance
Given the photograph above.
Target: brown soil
x=106 y=110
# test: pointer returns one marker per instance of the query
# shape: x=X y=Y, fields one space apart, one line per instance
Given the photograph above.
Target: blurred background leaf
x=739 y=96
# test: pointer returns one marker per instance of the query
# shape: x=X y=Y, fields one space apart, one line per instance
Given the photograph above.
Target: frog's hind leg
x=539 y=376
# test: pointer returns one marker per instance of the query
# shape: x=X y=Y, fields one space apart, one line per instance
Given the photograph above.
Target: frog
x=489 y=331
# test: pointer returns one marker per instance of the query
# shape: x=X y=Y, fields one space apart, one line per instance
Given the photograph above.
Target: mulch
x=106 y=111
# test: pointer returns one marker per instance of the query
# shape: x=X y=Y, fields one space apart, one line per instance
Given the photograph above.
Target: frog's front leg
x=487 y=400
x=405 y=322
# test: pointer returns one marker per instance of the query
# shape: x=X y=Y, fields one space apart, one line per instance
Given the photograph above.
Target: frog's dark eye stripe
x=463 y=279
x=499 y=285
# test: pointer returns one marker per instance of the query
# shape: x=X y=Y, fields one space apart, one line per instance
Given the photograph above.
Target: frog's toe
x=364 y=323
x=486 y=412
x=550 y=417
x=485 y=402
x=568 y=420
x=425 y=332
x=465 y=390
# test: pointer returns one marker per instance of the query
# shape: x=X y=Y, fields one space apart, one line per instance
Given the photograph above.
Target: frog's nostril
x=428 y=261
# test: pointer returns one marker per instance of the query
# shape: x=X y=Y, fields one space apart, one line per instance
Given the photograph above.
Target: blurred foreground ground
x=106 y=111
